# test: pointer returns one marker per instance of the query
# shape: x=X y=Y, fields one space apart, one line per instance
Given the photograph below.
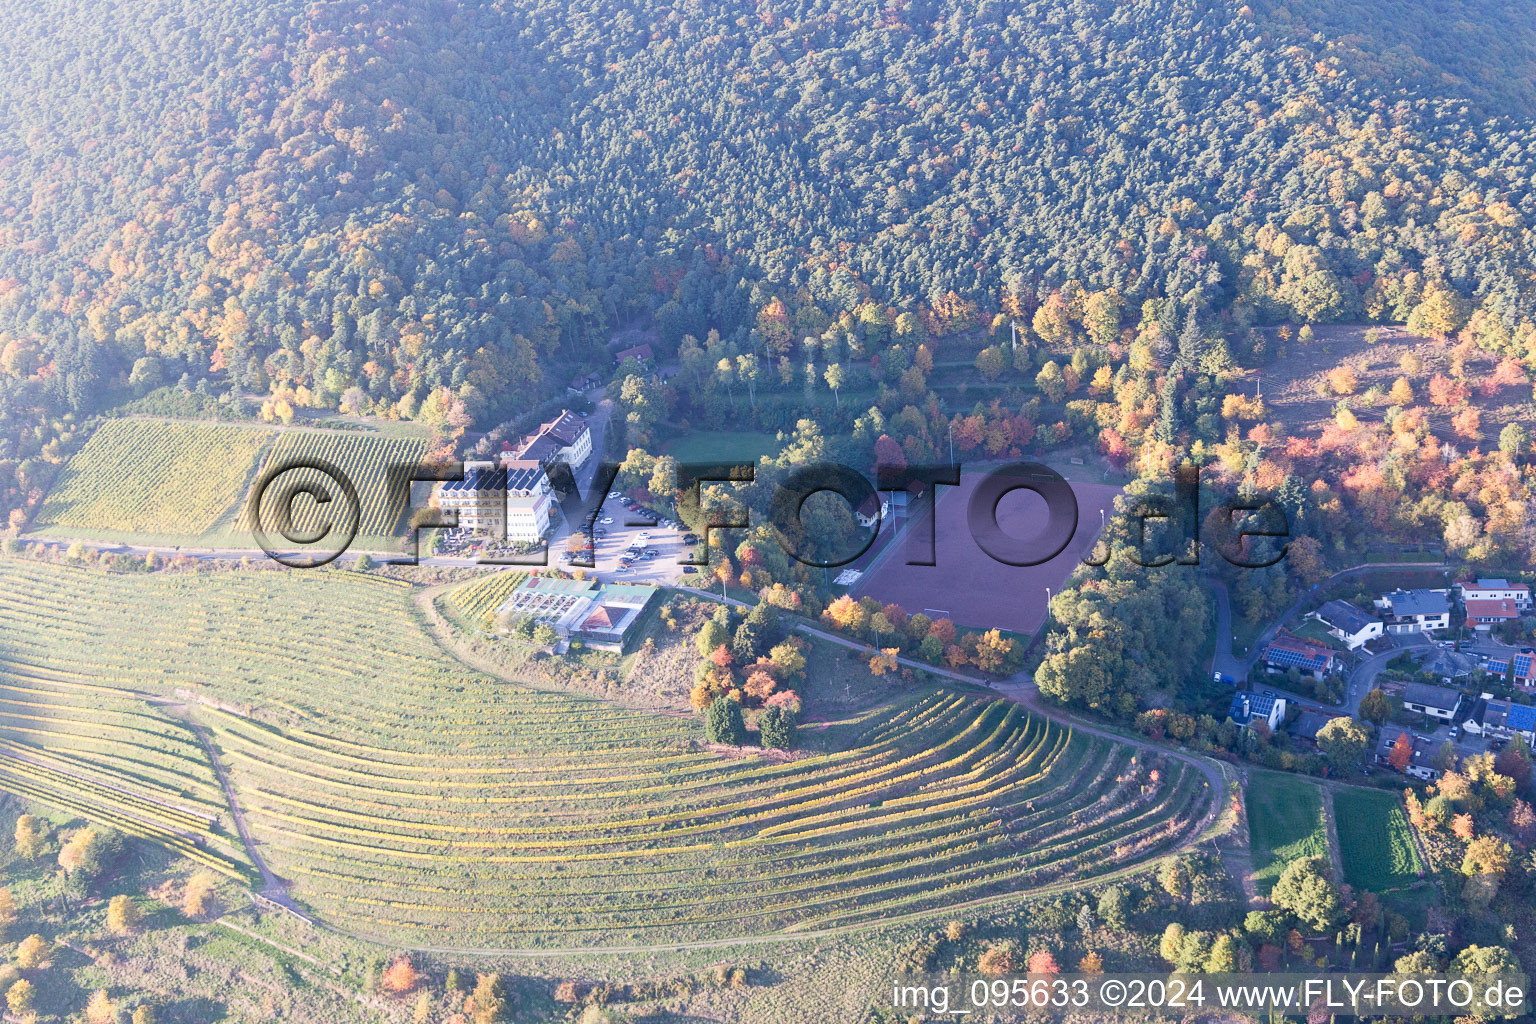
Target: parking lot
x=632 y=554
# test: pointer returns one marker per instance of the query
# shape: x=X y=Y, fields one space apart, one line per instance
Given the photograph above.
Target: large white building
x=566 y=438
x=512 y=496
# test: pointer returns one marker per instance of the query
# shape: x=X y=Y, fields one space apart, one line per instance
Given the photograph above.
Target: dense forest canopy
x=440 y=211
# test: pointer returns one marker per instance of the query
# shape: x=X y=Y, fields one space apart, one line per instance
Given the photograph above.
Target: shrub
x=723 y=723
x=777 y=728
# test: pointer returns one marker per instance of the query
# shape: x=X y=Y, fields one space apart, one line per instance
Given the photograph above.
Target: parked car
x=689 y=570
x=614 y=496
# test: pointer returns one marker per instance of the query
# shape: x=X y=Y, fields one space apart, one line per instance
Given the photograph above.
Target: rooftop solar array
x=1277 y=655
x=1522 y=718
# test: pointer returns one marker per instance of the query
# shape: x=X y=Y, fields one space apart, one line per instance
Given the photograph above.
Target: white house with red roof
x=1485 y=613
x=1495 y=590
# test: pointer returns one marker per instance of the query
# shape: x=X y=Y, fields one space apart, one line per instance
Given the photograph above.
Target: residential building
x=600 y=615
x=1287 y=651
x=1421 y=764
x=1501 y=719
x=641 y=354
x=1309 y=723
x=1496 y=590
x=1248 y=707
x=583 y=382
x=1483 y=613
x=1435 y=701
x=1415 y=611
x=870 y=512
x=1519 y=669
x=566 y=438
x=1351 y=626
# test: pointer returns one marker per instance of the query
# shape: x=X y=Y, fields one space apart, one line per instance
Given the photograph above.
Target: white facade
x=1497 y=590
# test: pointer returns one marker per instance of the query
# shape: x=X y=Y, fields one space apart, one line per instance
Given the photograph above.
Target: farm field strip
x=362 y=753
x=1375 y=842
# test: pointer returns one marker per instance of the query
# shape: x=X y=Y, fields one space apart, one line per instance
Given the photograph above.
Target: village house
x=1519 y=669
x=1421 y=763
x=1415 y=611
x=1351 y=626
x=1309 y=723
x=1501 y=719
x=1485 y=613
x=1287 y=651
x=1496 y=590
x=1435 y=701
x=1248 y=708
x=641 y=354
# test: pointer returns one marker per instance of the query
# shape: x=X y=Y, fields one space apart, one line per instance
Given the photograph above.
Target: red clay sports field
x=966 y=584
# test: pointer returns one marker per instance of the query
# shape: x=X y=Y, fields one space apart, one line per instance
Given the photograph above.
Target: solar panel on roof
x=1522 y=718
x=1522 y=665
x=1284 y=656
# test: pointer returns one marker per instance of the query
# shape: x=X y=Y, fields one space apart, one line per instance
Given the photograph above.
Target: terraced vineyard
x=402 y=795
x=366 y=459
x=475 y=602
x=153 y=477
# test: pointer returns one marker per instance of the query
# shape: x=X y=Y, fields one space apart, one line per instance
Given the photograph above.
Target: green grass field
x=721 y=446
x=401 y=794
x=1285 y=822
x=168 y=482
x=1374 y=840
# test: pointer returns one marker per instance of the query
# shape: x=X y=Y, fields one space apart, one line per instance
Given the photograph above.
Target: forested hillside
x=441 y=211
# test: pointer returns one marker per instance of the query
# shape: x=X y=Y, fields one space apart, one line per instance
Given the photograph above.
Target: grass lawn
x=1374 y=841
x=721 y=446
x=1285 y=822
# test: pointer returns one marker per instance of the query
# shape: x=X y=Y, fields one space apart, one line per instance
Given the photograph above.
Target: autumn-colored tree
x=100 y=1009
x=488 y=1003
x=1461 y=827
x=1043 y=962
x=123 y=915
x=1522 y=820
x=883 y=661
x=1091 y=963
x=944 y=630
x=998 y=959
x=32 y=837
x=1401 y=755
x=1344 y=380
x=401 y=976
x=7 y=909
x=1468 y=423
x=1402 y=392
x=1445 y=392
x=19 y=996
x=197 y=899
x=992 y=651
x=144 y=1014
x=32 y=952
